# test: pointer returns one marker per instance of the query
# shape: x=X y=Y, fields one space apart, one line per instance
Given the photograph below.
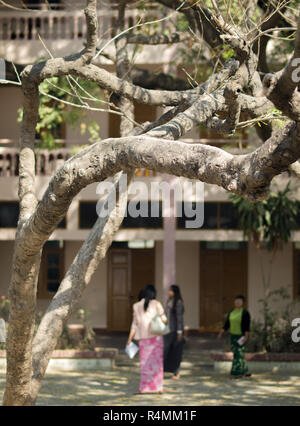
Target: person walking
x=174 y=341
x=238 y=324
x=150 y=345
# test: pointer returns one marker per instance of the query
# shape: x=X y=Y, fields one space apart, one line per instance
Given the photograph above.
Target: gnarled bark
x=231 y=90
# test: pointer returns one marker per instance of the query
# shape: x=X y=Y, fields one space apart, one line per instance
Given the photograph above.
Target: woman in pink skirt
x=151 y=346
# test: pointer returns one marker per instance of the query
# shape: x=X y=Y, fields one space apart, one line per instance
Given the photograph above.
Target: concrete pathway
x=199 y=385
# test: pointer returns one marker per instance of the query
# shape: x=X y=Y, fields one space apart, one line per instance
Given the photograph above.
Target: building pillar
x=169 y=243
x=169 y=212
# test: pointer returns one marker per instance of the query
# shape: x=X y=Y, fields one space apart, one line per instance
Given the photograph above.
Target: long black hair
x=141 y=295
x=148 y=293
x=177 y=294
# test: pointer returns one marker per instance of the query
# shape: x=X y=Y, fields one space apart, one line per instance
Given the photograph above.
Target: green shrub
x=273 y=333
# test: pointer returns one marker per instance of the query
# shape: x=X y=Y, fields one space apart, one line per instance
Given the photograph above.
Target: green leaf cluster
x=270 y=221
x=56 y=95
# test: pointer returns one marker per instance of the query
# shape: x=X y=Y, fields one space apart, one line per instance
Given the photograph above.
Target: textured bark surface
x=94 y=248
x=22 y=289
x=236 y=87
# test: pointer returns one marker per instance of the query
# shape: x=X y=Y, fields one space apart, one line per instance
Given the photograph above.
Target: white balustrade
x=61 y=24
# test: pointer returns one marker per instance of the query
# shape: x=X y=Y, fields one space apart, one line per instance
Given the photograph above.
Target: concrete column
x=169 y=244
x=169 y=214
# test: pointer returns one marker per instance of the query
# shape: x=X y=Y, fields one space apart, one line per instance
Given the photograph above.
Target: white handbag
x=2 y=331
x=158 y=327
x=131 y=350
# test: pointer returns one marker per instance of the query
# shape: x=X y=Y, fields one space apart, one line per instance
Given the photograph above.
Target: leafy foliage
x=270 y=221
x=273 y=334
x=57 y=95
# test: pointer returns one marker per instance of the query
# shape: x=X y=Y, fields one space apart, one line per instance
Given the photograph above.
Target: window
x=88 y=216
x=148 y=222
x=119 y=244
x=296 y=270
x=62 y=224
x=52 y=269
x=228 y=217
x=223 y=245
x=9 y=214
x=297 y=225
x=217 y=215
x=210 y=216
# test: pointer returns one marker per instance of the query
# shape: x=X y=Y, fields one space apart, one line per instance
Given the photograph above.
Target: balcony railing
x=47 y=162
x=64 y=24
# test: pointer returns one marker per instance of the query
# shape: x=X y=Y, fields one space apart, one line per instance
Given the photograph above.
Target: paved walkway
x=199 y=385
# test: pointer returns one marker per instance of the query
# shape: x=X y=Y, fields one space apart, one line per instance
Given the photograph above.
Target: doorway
x=129 y=270
x=223 y=275
x=296 y=271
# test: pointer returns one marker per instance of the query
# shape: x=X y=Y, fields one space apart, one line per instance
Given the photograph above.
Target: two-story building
x=213 y=263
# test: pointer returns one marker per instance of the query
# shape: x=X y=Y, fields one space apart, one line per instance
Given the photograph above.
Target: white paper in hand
x=2 y=331
x=131 y=350
x=241 y=340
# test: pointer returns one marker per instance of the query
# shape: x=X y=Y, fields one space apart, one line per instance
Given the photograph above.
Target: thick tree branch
x=70 y=65
x=200 y=16
x=92 y=26
x=260 y=45
x=203 y=109
x=22 y=288
x=151 y=80
x=77 y=278
x=65 y=66
x=23 y=285
x=156 y=39
x=92 y=251
x=281 y=88
x=248 y=175
x=233 y=102
x=123 y=72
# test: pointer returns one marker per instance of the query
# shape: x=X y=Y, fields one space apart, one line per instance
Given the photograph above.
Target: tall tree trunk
x=25 y=269
x=90 y=254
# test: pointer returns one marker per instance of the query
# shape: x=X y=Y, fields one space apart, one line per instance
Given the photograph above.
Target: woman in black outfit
x=173 y=341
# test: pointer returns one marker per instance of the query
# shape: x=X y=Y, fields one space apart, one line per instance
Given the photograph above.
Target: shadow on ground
x=199 y=384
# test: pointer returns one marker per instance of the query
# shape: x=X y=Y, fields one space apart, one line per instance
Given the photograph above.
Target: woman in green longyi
x=238 y=324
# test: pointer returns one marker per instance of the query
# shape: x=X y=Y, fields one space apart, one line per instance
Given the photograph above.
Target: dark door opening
x=129 y=270
x=223 y=275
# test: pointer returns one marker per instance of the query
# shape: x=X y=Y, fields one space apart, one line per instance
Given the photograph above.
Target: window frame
x=218 y=228
x=42 y=289
x=10 y=202
x=121 y=227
